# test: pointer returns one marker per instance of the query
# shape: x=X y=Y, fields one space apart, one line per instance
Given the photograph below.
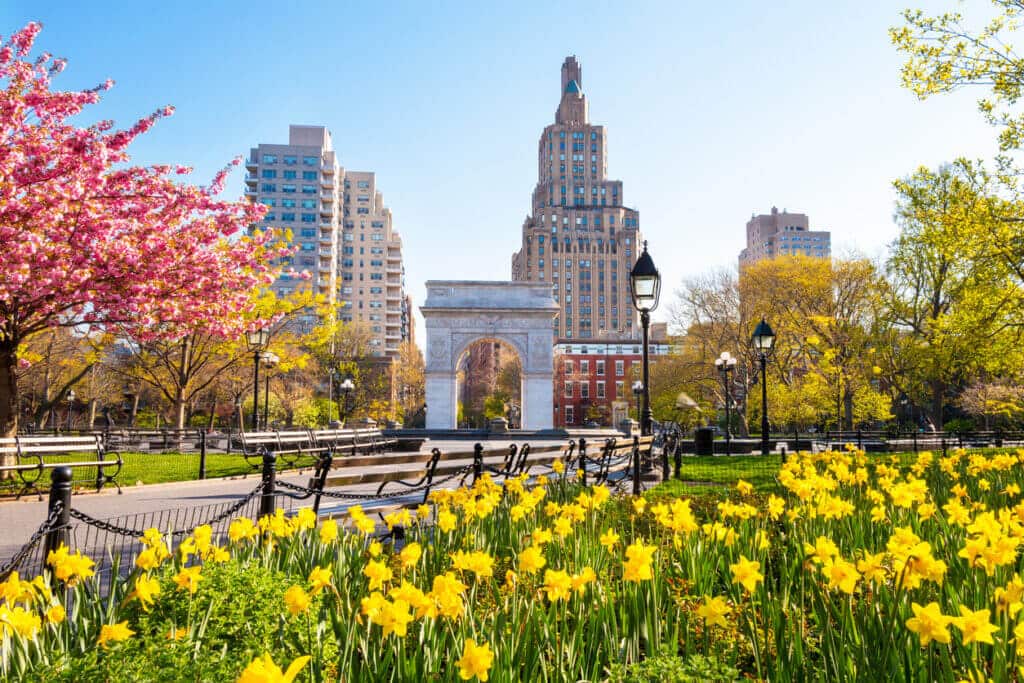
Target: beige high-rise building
x=783 y=234
x=580 y=236
x=341 y=227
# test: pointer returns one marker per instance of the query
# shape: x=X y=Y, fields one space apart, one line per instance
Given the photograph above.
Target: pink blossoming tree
x=88 y=240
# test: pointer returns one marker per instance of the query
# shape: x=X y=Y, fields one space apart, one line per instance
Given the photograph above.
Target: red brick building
x=594 y=378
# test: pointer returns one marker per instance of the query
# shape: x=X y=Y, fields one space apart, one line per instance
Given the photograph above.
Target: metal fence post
x=478 y=461
x=202 y=454
x=943 y=447
x=915 y=441
x=860 y=440
x=323 y=467
x=60 y=496
x=269 y=483
x=583 y=460
x=679 y=456
x=227 y=447
x=664 y=460
x=636 y=465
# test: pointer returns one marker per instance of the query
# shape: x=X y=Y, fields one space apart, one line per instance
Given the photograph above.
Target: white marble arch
x=458 y=313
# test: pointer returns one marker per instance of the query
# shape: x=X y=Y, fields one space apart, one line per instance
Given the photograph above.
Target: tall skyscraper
x=341 y=227
x=783 y=234
x=579 y=235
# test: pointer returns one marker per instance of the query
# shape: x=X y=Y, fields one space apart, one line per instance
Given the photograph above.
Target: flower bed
x=861 y=570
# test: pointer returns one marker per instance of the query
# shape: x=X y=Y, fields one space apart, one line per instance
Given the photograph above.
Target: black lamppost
x=346 y=388
x=638 y=390
x=270 y=359
x=257 y=341
x=645 y=286
x=726 y=364
x=332 y=377
x=763 y=340
x=71 y=403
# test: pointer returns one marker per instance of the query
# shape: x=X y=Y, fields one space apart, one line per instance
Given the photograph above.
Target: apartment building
x=342 y=230
x=580 y=236
x=594 y=378
x=783 y=234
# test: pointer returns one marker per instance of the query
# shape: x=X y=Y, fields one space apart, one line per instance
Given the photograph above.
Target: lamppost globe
x=71 y=402
x=763 y=339
x=645 y=288
x=257 y=340
x=726 y=364
x=346 y=387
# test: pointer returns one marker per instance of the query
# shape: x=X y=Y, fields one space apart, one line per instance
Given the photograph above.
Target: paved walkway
x=20 y=519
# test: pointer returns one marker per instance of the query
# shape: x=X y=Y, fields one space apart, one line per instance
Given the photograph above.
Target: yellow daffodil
x=263 y=670
x=714 y=611
x=114 y=633
x=476 y=660
x=188 y=579
x=746 y=572
x=929 y=623
x=974 y=625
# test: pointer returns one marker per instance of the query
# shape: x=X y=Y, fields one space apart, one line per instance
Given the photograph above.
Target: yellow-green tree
x=826 y=315
x=953 y=311
x=946 y=53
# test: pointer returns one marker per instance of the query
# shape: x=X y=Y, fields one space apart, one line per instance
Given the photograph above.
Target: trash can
x=704 y=441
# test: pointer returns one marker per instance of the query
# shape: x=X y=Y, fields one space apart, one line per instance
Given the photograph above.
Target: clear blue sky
x=714 y=110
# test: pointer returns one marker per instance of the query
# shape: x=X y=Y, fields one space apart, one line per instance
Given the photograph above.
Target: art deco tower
x=580 y=236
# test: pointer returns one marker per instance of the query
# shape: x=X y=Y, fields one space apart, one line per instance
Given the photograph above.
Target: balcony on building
x=325 y=252
x=327 y=196
x=327 y=168
x=327 y=183
x=250 y=192
x=326 y=211
x=251 y=164
x=251 y=179
x=325 y=224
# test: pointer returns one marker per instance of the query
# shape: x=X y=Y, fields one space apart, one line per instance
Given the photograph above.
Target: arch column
x=459 y=313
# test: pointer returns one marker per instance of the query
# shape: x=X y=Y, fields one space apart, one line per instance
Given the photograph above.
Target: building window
x=268 y=187
x=569 y=417
x=585 y=366
x=289 y=189
x=568 y=367
x=268 y=173
x=620 y=368
x=270 y=158
x=600 y=368
x=619 y=388
x=310 y=161
x=290 y=160
x=568 y=389
x=600 y=389
x=584 y=390
x=309 y=189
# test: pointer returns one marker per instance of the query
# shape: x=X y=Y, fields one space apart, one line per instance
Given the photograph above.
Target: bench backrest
x=44 y=445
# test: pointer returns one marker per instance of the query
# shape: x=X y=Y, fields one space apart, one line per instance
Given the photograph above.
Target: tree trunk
x=8 y=396
x=938 y=392
x=135 y=410
x=848 y=410
x=213 y=415
x=93 y=403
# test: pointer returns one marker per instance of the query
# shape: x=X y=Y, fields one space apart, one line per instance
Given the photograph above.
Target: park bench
x=287 y=446
x=353 y=441
x=613 y=461
x=405 y=480
x=33 y=455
